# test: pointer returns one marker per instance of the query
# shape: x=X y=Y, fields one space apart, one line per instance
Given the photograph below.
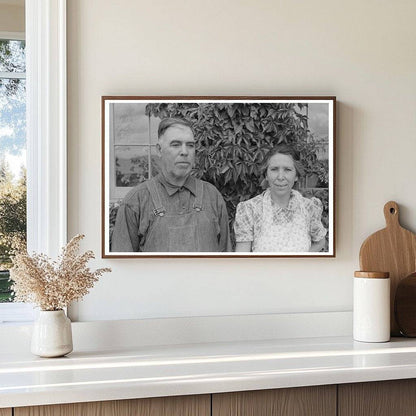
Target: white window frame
x=46 y=127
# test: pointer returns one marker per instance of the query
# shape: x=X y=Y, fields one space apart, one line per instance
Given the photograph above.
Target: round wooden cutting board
x=393 y=250
x=405 y=306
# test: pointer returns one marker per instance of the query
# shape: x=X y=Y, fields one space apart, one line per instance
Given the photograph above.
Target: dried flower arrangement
x=52 y=285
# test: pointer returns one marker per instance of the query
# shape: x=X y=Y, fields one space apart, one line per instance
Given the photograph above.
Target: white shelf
x=151 y=371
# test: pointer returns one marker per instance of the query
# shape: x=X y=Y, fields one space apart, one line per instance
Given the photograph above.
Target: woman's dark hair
x=284 y=149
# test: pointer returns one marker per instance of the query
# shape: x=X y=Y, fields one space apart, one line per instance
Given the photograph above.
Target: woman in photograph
x=280 y=219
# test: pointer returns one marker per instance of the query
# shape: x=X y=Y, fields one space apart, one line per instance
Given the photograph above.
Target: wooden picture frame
x=232 y=137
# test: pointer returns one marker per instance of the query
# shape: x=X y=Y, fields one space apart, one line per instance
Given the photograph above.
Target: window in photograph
x=133 y=147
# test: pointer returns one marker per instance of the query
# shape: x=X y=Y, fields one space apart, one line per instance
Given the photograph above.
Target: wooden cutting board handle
x=391 y=214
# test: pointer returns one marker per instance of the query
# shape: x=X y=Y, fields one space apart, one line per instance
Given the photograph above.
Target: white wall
x=12 y=18
x=363 y=52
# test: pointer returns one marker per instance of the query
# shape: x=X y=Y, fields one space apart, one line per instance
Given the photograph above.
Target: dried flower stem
x=53 y=285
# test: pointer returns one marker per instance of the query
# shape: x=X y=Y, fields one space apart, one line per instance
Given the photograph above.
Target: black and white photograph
x=218 y=177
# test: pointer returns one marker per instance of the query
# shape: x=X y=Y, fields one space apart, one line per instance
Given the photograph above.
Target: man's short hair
x=170 y=122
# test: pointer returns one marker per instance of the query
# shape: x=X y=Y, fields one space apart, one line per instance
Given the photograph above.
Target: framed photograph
x=218 y=177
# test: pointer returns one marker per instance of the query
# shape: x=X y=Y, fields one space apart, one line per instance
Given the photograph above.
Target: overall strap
x=159 y=210
x=199 y=195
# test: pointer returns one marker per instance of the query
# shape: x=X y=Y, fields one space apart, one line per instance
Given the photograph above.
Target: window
x=46 y=135
x=133 y=155
x=12 y=153
x=133 y=147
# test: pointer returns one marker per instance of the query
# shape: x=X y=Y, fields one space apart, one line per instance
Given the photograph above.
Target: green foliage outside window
x=12 y=96
x=12 y=143
x=12 y=224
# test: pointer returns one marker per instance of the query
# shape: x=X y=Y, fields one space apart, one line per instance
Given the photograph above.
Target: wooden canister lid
x=372 y=275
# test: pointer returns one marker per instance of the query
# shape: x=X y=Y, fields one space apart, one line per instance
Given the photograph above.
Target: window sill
x=16 y=313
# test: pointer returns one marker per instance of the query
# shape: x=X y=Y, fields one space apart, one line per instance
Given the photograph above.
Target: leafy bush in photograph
x=232 y=140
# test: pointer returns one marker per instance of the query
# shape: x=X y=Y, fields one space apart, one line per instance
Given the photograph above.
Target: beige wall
x=12 y=18
x=363 y=52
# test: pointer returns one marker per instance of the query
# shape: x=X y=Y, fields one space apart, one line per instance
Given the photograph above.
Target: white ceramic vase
x=52 y=334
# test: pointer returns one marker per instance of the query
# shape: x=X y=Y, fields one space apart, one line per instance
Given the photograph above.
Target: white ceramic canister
x=371 y=307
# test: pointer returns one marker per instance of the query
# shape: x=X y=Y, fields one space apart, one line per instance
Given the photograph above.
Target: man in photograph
x=174 y=211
